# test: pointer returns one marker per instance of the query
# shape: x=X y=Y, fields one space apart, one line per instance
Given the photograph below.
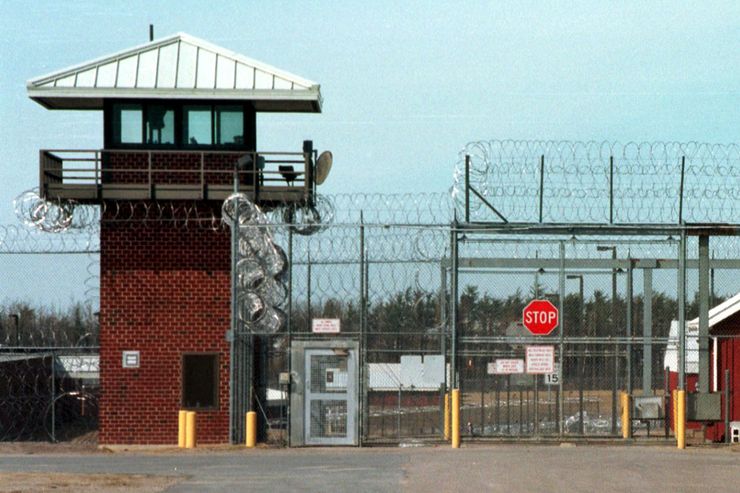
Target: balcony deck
x=90 y=176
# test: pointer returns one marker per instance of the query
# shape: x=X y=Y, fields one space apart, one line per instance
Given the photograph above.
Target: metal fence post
x=682 y=310
x=542 y=185
x=454 y=306
x=444 y=318
x=363 y=339
x=680 y=190
x=233 y=392
x=467 y=188
x=611 y=189
x=728 y=396
x=561 y=290
x=289 y=328
x=615 y=380
x=308 y=284
x=53 y=398
x=628 y=329
x=398 y=413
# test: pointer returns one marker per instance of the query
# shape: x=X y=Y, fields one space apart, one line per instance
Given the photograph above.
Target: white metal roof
x=177 y=67
x=720 y=312
x=717 y=314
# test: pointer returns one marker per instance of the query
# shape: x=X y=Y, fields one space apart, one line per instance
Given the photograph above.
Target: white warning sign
x=506 y=366
x=325 y=326
x=540 y=359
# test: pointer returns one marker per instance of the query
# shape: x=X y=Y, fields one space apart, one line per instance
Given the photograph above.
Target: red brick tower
x=179 y=125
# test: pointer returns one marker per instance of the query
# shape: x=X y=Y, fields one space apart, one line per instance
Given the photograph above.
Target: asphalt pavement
x=505 y=468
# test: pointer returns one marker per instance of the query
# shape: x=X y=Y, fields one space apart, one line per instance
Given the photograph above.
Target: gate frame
x=297 y=424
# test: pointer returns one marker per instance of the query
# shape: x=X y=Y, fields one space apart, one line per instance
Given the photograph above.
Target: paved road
x=476 y=468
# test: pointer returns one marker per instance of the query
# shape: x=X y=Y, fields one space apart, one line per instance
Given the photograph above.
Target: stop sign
x=540 y=317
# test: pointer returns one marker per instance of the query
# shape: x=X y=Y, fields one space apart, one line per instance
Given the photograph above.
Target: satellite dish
x=323 y=166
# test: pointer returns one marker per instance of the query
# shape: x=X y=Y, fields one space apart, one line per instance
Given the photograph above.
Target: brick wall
x=164 y=291
x=171 y=168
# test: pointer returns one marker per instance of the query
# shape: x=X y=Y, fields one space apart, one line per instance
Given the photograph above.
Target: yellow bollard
x=251 y=439
x=190 y=438
x=673 y=409
x=181 y=418
x=455 y=418
x=447 y=416
x=626 y=422
x=681 y=419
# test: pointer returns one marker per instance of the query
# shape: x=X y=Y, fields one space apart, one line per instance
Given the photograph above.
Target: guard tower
x=179 y=119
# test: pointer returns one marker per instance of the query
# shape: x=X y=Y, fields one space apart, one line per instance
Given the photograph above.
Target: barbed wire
x=599 y=182
x=261 y=267
x=62 y=216
x=24 y=239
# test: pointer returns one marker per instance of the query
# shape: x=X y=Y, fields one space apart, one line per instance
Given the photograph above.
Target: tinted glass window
x=127 y=123
x=199 y=380
x=160 y=125
x=197 y=125
x=229 y=125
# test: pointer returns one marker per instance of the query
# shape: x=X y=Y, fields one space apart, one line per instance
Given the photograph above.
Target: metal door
x=330 y=405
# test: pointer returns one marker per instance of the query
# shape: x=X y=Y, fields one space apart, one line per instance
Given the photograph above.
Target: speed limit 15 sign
x=553 y=378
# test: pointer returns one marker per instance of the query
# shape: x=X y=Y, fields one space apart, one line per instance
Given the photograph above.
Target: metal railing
x=88 y=175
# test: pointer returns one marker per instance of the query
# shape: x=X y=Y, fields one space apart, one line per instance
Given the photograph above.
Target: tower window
x=127 y=123
x=198 y=125
x=229 y=125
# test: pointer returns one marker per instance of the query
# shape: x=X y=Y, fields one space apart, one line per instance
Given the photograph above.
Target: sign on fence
x=554 y=377
x=540 y=359
x=506 y=366
x=540 y=317
x=325 y=326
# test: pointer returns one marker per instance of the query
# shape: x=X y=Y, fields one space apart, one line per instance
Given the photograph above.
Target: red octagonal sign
x=540 y=317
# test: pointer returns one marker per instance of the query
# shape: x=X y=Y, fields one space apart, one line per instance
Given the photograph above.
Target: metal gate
x=324 y=398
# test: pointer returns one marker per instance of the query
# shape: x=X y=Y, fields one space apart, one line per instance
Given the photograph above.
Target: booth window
x=217 y=125
x=229 y=125
x=198 y=126
x=127 y=123
x=150 y=125
x=199 y=381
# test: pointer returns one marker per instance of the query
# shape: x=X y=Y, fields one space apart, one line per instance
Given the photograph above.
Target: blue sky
x=406 y=84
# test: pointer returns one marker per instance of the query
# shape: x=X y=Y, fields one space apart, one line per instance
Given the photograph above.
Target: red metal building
x=724 y=333
x=724 y=328
x=179 y=124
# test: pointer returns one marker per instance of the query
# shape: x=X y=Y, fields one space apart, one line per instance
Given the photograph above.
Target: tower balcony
x=89 y=176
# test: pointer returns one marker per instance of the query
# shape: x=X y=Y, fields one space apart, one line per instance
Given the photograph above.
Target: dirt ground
x=22 y=482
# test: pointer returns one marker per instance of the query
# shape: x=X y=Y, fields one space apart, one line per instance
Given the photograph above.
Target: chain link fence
x=49 y=364
x=390 y=285
x=416 y=290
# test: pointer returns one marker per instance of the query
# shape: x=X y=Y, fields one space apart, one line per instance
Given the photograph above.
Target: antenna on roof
x=151 y=32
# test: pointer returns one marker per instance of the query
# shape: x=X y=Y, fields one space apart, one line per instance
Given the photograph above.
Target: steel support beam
x=703 y=314
x=647 y=331
x=589 y=263
x=597 y=229
x=682 y=312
